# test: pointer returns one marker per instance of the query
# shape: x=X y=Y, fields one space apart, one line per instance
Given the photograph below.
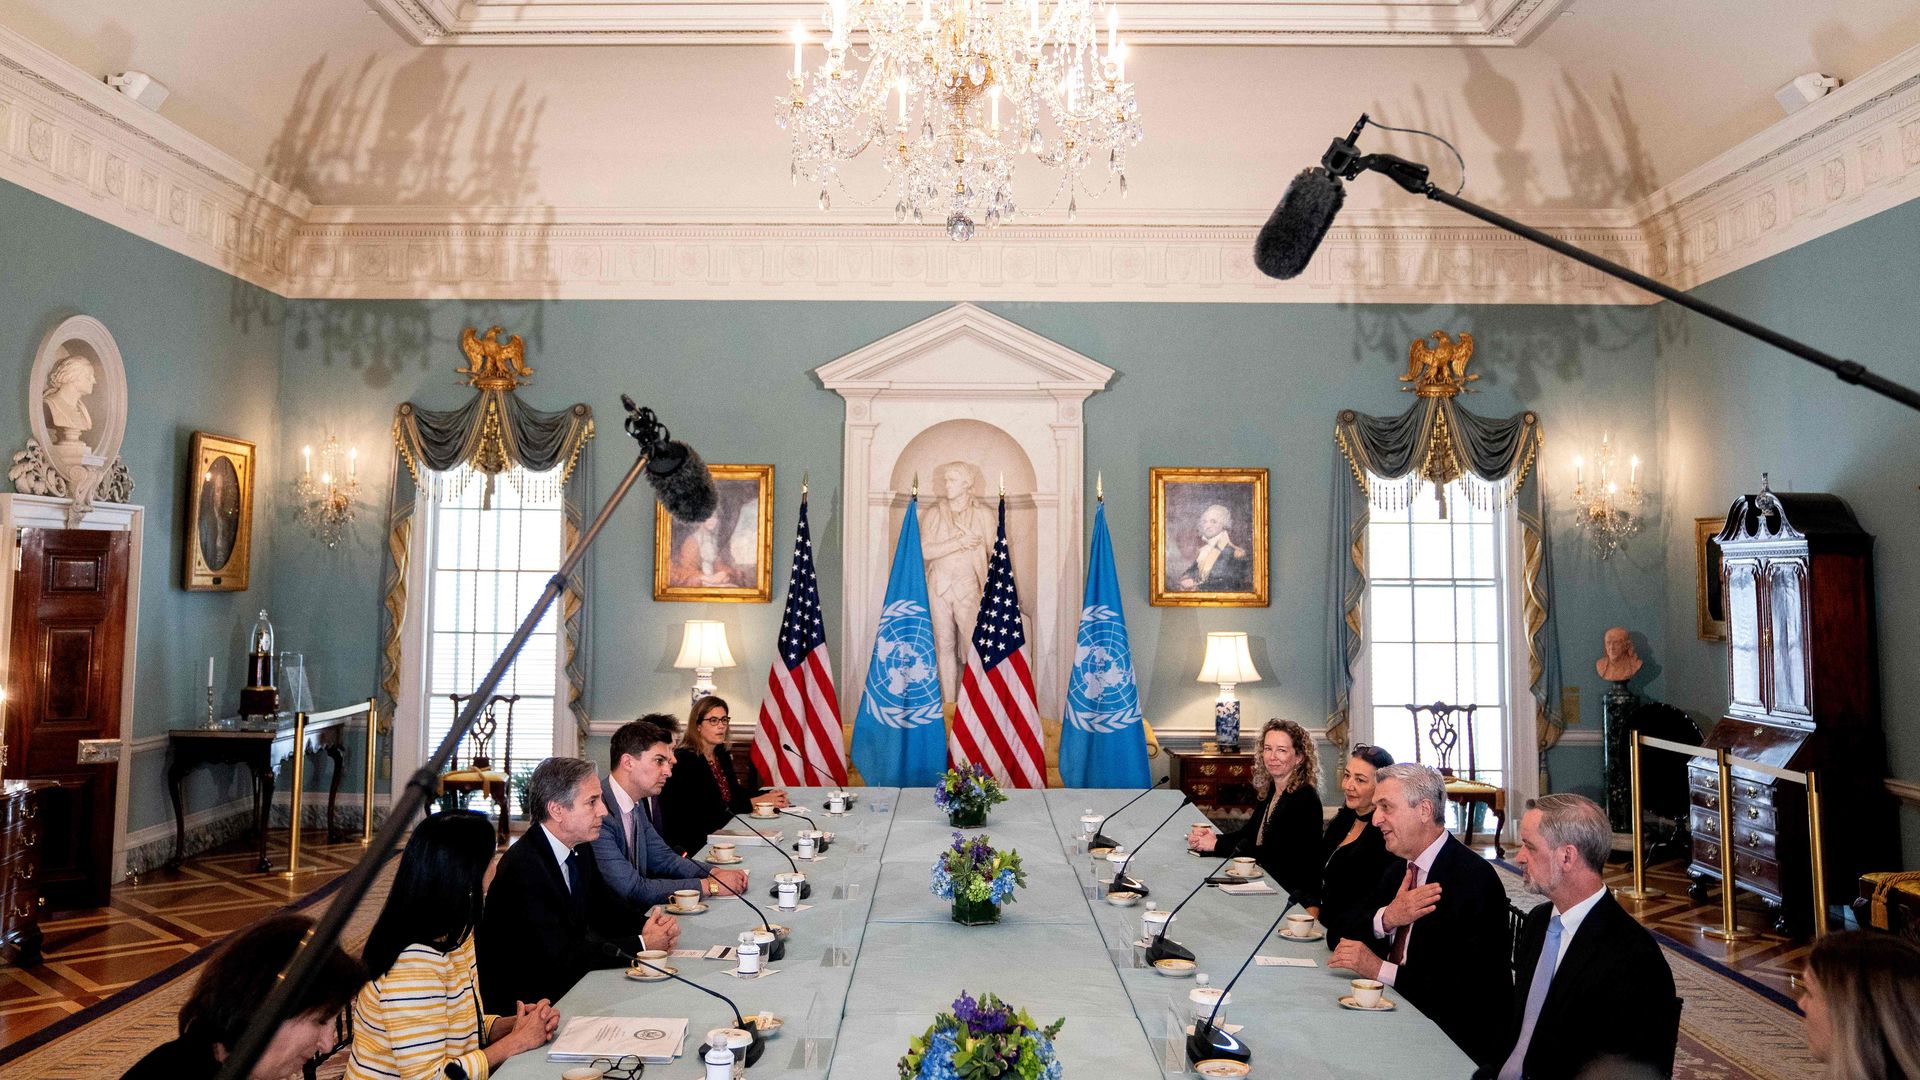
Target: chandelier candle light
x=955 y=65
x=326 y=497
x=1605 y=511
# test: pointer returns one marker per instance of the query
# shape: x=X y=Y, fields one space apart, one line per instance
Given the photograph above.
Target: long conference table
x=874 y=955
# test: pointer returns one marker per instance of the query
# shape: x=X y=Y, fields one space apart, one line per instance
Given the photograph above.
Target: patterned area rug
x=109 y=1044
x=1730 y=1027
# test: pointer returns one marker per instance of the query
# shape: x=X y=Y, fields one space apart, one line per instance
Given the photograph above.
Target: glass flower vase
x=967 y=817
x=975 y=912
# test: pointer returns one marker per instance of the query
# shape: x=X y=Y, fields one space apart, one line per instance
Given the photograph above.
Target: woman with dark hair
x=1356 y=855
x=703 y=794
x=230 y=990
x=420 y=1016
x=1284 y=835
x=1860 y=992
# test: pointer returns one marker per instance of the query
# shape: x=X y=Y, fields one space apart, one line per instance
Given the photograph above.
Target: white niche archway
x=967 y=385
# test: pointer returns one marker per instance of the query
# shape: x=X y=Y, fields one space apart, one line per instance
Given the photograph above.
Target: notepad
x=1248 y=888
x=652 y=1039
x=742 y=836
x=1284 y=961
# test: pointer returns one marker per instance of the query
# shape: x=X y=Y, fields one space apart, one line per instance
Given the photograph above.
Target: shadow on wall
x=407 y=135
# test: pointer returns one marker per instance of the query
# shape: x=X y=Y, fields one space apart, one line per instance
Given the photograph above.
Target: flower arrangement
x=966 y=794
x=983 y=1040
x=977 y=879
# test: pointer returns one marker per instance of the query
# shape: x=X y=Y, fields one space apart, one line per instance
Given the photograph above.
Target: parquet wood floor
x=1767 y=958
x=150 y=925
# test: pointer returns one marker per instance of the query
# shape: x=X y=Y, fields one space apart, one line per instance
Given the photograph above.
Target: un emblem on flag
x=1102 y=697
x=904 y=681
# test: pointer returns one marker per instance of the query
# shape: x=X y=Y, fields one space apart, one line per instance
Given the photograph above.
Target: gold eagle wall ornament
x=494 y=364
x=1440 y=369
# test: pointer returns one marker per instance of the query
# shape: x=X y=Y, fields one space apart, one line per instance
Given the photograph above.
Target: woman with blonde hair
x=1284 y=834
x=1860 y=992
x=703 y=793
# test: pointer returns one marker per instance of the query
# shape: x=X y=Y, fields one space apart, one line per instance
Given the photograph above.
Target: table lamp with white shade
x=1228 y=663
x=704 y=648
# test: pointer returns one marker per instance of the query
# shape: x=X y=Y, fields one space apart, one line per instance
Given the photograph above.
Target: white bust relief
x=68 y=385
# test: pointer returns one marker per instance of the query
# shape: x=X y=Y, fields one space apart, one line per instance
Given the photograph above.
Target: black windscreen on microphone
x=682 y=483
x=1293 y=233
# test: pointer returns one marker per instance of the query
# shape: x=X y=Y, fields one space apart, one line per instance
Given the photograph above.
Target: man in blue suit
x=636 y=864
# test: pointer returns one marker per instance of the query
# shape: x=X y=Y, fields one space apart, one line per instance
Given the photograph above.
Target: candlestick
x=1633 y=476
x=353 y=462
x=1578 y=464
x=1113 y=28
x=1034 y=29
x=209 y=672
x=210 y=721
x=799 y=43
x=306 y=468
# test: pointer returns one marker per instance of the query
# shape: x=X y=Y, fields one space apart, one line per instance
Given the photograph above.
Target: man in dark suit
x=548 y=910
x=1593 y=985
x=633 y=860
x=1439 y=929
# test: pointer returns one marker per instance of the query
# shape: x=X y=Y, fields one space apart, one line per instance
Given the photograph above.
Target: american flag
x=996 y=720
x=800 y=707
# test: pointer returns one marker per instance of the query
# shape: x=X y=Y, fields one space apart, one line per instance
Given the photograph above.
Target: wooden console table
x=19 y=894
x=259 y=747
x=1220 y=784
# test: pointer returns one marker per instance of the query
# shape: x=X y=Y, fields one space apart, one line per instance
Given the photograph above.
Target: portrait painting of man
x=219 y=513
x=727 y=556
x=1209 y=537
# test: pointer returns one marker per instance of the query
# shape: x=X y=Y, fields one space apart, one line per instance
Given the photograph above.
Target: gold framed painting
x=219 y=513
x=1709 y=584
x=726 y=558
x=1207 y=543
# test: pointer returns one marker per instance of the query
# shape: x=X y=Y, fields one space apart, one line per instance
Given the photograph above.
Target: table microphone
x=1101 y=839
x=810 y=763
x=1208 y=1041
x=754 y=1049
x=1121 y=882
x=806 y=887
x=819 y=839
x=776 y=951
x=1161 y=948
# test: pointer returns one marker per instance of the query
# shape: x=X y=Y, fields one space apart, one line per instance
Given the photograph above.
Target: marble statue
x=1620 y=662
x=956 y=538
x=71 y=380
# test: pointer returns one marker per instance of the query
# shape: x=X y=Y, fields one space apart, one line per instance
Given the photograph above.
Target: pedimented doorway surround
x=968 y=386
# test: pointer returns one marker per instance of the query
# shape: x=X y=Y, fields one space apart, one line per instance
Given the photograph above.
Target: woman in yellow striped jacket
x=420 y=1018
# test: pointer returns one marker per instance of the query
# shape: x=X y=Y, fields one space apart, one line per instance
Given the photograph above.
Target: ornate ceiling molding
x=1497 y=23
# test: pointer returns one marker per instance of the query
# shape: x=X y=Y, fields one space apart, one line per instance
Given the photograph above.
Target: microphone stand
x=811 y=766
x=1344 y=160
x=754 y=1049
x=320 y=941
x=1161 y=948
x=819 y=839
x=1208 y=1041
x=806 y=887
x=778 y=950
x=1121 y=882
x=1100 y=839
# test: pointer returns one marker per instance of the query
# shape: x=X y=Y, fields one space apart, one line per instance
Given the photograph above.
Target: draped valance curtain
x=493 y=435
x=1386 y=461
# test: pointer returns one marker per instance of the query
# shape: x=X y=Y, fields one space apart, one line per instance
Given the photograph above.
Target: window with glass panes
x=490 y=565
x=1436 y=625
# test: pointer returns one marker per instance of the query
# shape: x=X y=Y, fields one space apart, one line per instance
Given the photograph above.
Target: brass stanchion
x=373 y=745
x=1729 y=929
x=1639 y=890
x=298 y=794
x=1819 y=862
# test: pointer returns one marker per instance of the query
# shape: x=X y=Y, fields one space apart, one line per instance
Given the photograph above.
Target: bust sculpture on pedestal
x=1620 y=662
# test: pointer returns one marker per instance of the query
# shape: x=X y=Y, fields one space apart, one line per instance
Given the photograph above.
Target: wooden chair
x=1442 y=732
x=479 y=774
x=1516 y=926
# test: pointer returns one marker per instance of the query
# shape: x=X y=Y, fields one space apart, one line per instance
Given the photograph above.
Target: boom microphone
x=1161 y=948
x=1293 y=232
x=1208 y=1041
x=679 y=478
x=1121 y=882
x=811 y=764
x=778 y=950
x=1101 y=839
x=754 y=1049
x=806 y=887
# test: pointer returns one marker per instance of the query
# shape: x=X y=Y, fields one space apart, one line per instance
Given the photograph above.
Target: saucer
x=650 y=975
x=765 y=1023
x=1222 y=1067
x=1174 y=967
x=1317 y=935
x=1348 y=1002
x=694 y=910
x=1255 y=876
x=717 y=861
x=1123 y=899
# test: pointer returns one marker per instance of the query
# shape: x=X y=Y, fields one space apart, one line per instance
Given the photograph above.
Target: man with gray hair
x=1438 y=928
x=1593 y=984
x=548 y=913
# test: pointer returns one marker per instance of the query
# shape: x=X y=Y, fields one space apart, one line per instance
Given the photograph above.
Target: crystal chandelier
x=1604 y=511
x=951 y=93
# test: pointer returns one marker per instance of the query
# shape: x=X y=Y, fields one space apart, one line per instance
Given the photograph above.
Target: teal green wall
x=1239 y=385
x=1735 y=408
x=202 y=353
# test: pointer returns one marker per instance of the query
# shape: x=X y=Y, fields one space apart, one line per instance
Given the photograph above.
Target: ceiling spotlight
x=141 y=87
x=1804 y=91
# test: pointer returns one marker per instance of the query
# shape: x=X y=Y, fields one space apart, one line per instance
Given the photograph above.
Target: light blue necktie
x=1536 y=998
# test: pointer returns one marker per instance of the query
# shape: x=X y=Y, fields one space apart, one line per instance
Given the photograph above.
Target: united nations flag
x=1103 y=742
x=899 y=739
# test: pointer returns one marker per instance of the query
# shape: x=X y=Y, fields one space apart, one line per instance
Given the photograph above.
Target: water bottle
x=719 y=1062
x=749 y=953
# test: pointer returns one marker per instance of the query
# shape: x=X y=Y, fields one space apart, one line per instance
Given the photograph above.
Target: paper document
x=742 y=836
x=1284 y=961
x=1248 y=888
x=650 y=1038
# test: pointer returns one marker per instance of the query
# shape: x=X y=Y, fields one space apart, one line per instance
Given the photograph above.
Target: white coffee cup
x=1366 y=993
x=725 y=852
x=1152 y=922
x=1202 y=999
x=1299 y=924
x=583 y=1072
x=1090 y=824
x=686 y=899
x=1243 y=866
x=765 y=810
